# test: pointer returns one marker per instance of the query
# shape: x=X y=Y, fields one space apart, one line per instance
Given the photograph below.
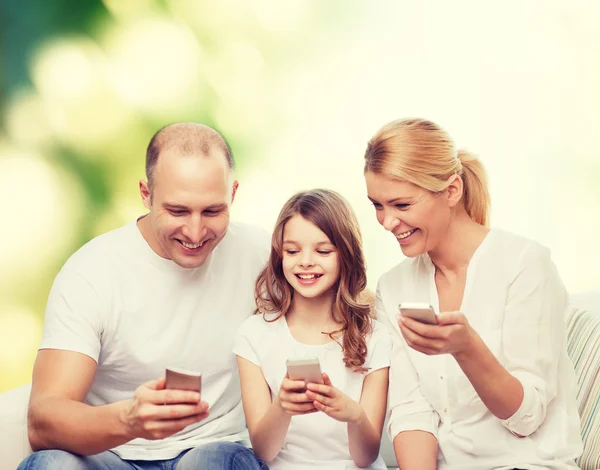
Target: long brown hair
x=332 y=214
x=422 y=153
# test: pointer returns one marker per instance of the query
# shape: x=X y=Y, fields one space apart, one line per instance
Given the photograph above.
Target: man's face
x=189 y=207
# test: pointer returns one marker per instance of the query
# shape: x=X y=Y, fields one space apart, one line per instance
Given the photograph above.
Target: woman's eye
x=402 y=207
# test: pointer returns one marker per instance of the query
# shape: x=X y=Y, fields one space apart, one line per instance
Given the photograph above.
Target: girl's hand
x=452 y=335
x=332 y=402
x=292 y=397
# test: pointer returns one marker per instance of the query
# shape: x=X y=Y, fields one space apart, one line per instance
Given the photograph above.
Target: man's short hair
x=188 y=138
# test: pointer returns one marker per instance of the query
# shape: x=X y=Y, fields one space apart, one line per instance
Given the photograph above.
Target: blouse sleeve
x=534 y=335
x=408 y=408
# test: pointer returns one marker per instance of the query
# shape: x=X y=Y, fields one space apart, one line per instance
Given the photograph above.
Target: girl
x=307 y=307
x=491 y=383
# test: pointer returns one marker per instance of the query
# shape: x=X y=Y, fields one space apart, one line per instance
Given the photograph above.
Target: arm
x=416 y=450
x=364 y=434
x=519 y=391
x=268 y=421
x=58 y=418
x=413 y=423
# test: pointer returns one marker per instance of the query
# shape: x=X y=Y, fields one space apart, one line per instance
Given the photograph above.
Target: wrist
x=358 y=417
x=469 y=349
x=124 y=428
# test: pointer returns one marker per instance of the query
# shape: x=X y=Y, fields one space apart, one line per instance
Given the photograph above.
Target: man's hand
x=452 y=335
x=156 y=413
x=292 y=397
x=333 y=402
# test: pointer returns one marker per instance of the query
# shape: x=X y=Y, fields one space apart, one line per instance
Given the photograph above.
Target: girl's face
x=418 y=218
x=310 y=261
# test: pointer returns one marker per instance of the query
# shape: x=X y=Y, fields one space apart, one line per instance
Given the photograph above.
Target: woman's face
x=418 y=218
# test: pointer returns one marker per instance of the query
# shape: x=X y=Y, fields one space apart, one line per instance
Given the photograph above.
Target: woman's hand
x=292 y=397
x=334 y=403
x=452 y=335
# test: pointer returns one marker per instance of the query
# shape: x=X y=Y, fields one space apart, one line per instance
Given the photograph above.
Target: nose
x=194 y=229
x=389 y=222
x=307 y=259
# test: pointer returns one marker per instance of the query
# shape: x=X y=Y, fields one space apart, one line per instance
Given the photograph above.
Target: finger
x=325 y=400
x=288 y=384
x=171 y=412
x=326 y=379
x=452 y=318
x=297 y=407
x=161 y=383
x=172 y=426
x=422 y=329
x=414 y=340
x=293 y=397
x=321 y=407
x=322 y=389
x=172 y=396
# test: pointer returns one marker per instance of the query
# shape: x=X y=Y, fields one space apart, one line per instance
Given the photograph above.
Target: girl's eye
x=323 y=252
x=291 y=252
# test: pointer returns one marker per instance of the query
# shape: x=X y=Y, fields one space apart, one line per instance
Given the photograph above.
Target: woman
x=490 y=385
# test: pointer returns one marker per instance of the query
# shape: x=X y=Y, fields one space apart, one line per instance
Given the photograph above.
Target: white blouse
x=516 y=302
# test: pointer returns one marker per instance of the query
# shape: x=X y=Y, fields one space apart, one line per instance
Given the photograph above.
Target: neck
x=315 y=311
x=460 y=241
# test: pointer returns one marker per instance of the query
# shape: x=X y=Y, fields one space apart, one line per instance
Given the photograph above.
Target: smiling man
x=168 y=289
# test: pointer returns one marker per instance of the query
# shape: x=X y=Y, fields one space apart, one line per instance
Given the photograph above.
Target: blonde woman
x=490 y=385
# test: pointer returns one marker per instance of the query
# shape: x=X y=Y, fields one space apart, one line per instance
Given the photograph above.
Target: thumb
x=451 y=318
x=159 y=384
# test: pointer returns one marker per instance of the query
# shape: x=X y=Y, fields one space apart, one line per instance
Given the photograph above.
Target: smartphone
x=308 y=369
x=418 y=311
x=183 y=379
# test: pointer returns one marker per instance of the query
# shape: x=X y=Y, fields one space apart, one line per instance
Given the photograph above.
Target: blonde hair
x=422 y=153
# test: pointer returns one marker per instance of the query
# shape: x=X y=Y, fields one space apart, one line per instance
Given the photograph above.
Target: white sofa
x=583 y=321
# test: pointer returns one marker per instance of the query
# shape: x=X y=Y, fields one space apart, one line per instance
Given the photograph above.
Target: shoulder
x=258 y=324
x=379 y=333
x=403 y=272
x=246 y=240
x=95 y=256
x=519 y=250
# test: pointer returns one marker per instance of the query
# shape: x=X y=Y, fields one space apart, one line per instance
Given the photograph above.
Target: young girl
x=307 y=306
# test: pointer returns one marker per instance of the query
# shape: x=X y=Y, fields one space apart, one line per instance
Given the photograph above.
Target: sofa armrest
x=14 y=443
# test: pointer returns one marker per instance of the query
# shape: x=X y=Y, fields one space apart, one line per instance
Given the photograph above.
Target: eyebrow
x=324 y=242
x=182 y=207
x=393 y=201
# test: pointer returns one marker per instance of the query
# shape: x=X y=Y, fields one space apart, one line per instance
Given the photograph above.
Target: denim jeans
x=213 y=456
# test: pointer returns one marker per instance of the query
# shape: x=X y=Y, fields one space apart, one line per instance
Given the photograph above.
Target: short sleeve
x=246 y=339
x=73 y=319
x=380 y=348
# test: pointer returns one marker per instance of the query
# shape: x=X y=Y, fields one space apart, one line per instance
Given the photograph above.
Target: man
x=169 y=289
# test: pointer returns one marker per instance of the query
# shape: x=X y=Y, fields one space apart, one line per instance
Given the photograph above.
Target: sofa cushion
x=583 y=345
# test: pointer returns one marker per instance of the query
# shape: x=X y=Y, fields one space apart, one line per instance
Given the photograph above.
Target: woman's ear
x=455 y=190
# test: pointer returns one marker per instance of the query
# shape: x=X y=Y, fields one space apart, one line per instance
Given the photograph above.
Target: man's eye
x=211 y=213
x=176 y=213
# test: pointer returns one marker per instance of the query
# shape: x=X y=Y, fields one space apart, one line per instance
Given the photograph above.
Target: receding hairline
x=188 y=138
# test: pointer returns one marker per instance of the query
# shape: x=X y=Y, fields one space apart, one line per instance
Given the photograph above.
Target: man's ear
x=455 y=190
x=145 y=193
x=234 y=190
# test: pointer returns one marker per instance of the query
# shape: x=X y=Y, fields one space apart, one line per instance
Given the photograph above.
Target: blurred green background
x=297 y=87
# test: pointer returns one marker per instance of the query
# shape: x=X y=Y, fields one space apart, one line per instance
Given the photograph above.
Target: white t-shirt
x=136 y=313
x=314 y=440
x=515 y=300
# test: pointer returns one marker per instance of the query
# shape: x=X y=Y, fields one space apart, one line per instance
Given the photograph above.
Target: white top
x=516 y=302
x=314 y=440
x=136 y=313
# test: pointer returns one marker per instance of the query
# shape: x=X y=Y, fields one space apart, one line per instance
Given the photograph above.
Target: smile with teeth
x=307 y=277
x=191 y=246
x=405 y=234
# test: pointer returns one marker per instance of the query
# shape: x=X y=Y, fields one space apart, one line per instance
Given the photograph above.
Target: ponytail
x=476 y=196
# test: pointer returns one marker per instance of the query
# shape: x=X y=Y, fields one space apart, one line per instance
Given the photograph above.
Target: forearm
x=363 y=440
x=500 y=391
x=269 y=433
x=416 y=450
x=61 y=423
